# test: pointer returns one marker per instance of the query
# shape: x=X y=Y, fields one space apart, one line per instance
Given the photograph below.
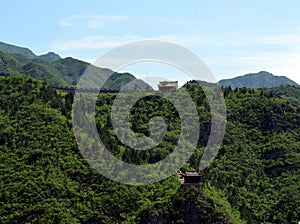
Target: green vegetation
x=290 y=93
x=44 y=178
x=56 y=71
x=51 y=57
x=260 y=157
x=257 y=80
x=4 y=47
x=41 y=71
x=8 y=65
x=60 y=72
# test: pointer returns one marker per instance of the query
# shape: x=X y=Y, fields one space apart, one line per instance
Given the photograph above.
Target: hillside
x=257 y=80
x=44 y=178
x=9 y=65
x=290 y=93
x=43 y=72
x=9 y=48
x=61 y=72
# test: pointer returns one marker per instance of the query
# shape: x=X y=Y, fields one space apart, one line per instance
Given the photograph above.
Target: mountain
x=59 y=72
x=23 y=53
x=71 y=69
x=45 y=178
x=9 y=48
x=257 y=80
x=50 y=56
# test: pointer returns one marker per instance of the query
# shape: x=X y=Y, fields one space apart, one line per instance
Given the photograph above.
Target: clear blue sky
x=231 y=37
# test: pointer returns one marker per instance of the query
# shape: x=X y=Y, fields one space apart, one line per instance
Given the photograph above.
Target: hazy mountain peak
x=50 y=56
x=257 y=80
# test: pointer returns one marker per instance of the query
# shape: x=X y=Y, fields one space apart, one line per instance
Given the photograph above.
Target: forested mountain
x=257 y=80
x=57 y=71
x=44 y=178
x=27 y=53
x=61 y=73
x=9 y=48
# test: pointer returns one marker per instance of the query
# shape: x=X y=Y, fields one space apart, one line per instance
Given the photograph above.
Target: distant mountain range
x=65 y=72
x=57 y=71
x=27 y=53
x=258 y=80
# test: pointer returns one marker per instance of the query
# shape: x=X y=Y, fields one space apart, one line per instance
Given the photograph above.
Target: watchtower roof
x=192 y=174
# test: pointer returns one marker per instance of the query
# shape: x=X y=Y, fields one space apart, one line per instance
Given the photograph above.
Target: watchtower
x=168 y=86
x=190 y=178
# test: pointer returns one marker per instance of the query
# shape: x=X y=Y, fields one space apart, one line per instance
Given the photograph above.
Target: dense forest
x=44 y=178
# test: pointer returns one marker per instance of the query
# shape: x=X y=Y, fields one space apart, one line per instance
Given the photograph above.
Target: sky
x=232 y=37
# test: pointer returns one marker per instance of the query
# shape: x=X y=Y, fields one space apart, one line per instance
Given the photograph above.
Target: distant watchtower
x=190 y=178
x=168 y=86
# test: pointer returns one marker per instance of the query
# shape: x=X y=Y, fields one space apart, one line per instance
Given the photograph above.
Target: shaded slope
x=43 y=72
x=9 y=65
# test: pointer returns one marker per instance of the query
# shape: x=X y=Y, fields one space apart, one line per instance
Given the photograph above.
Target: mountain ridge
x=59 y=72
x=257 y=80
x=67 y=71
x=10 y=48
